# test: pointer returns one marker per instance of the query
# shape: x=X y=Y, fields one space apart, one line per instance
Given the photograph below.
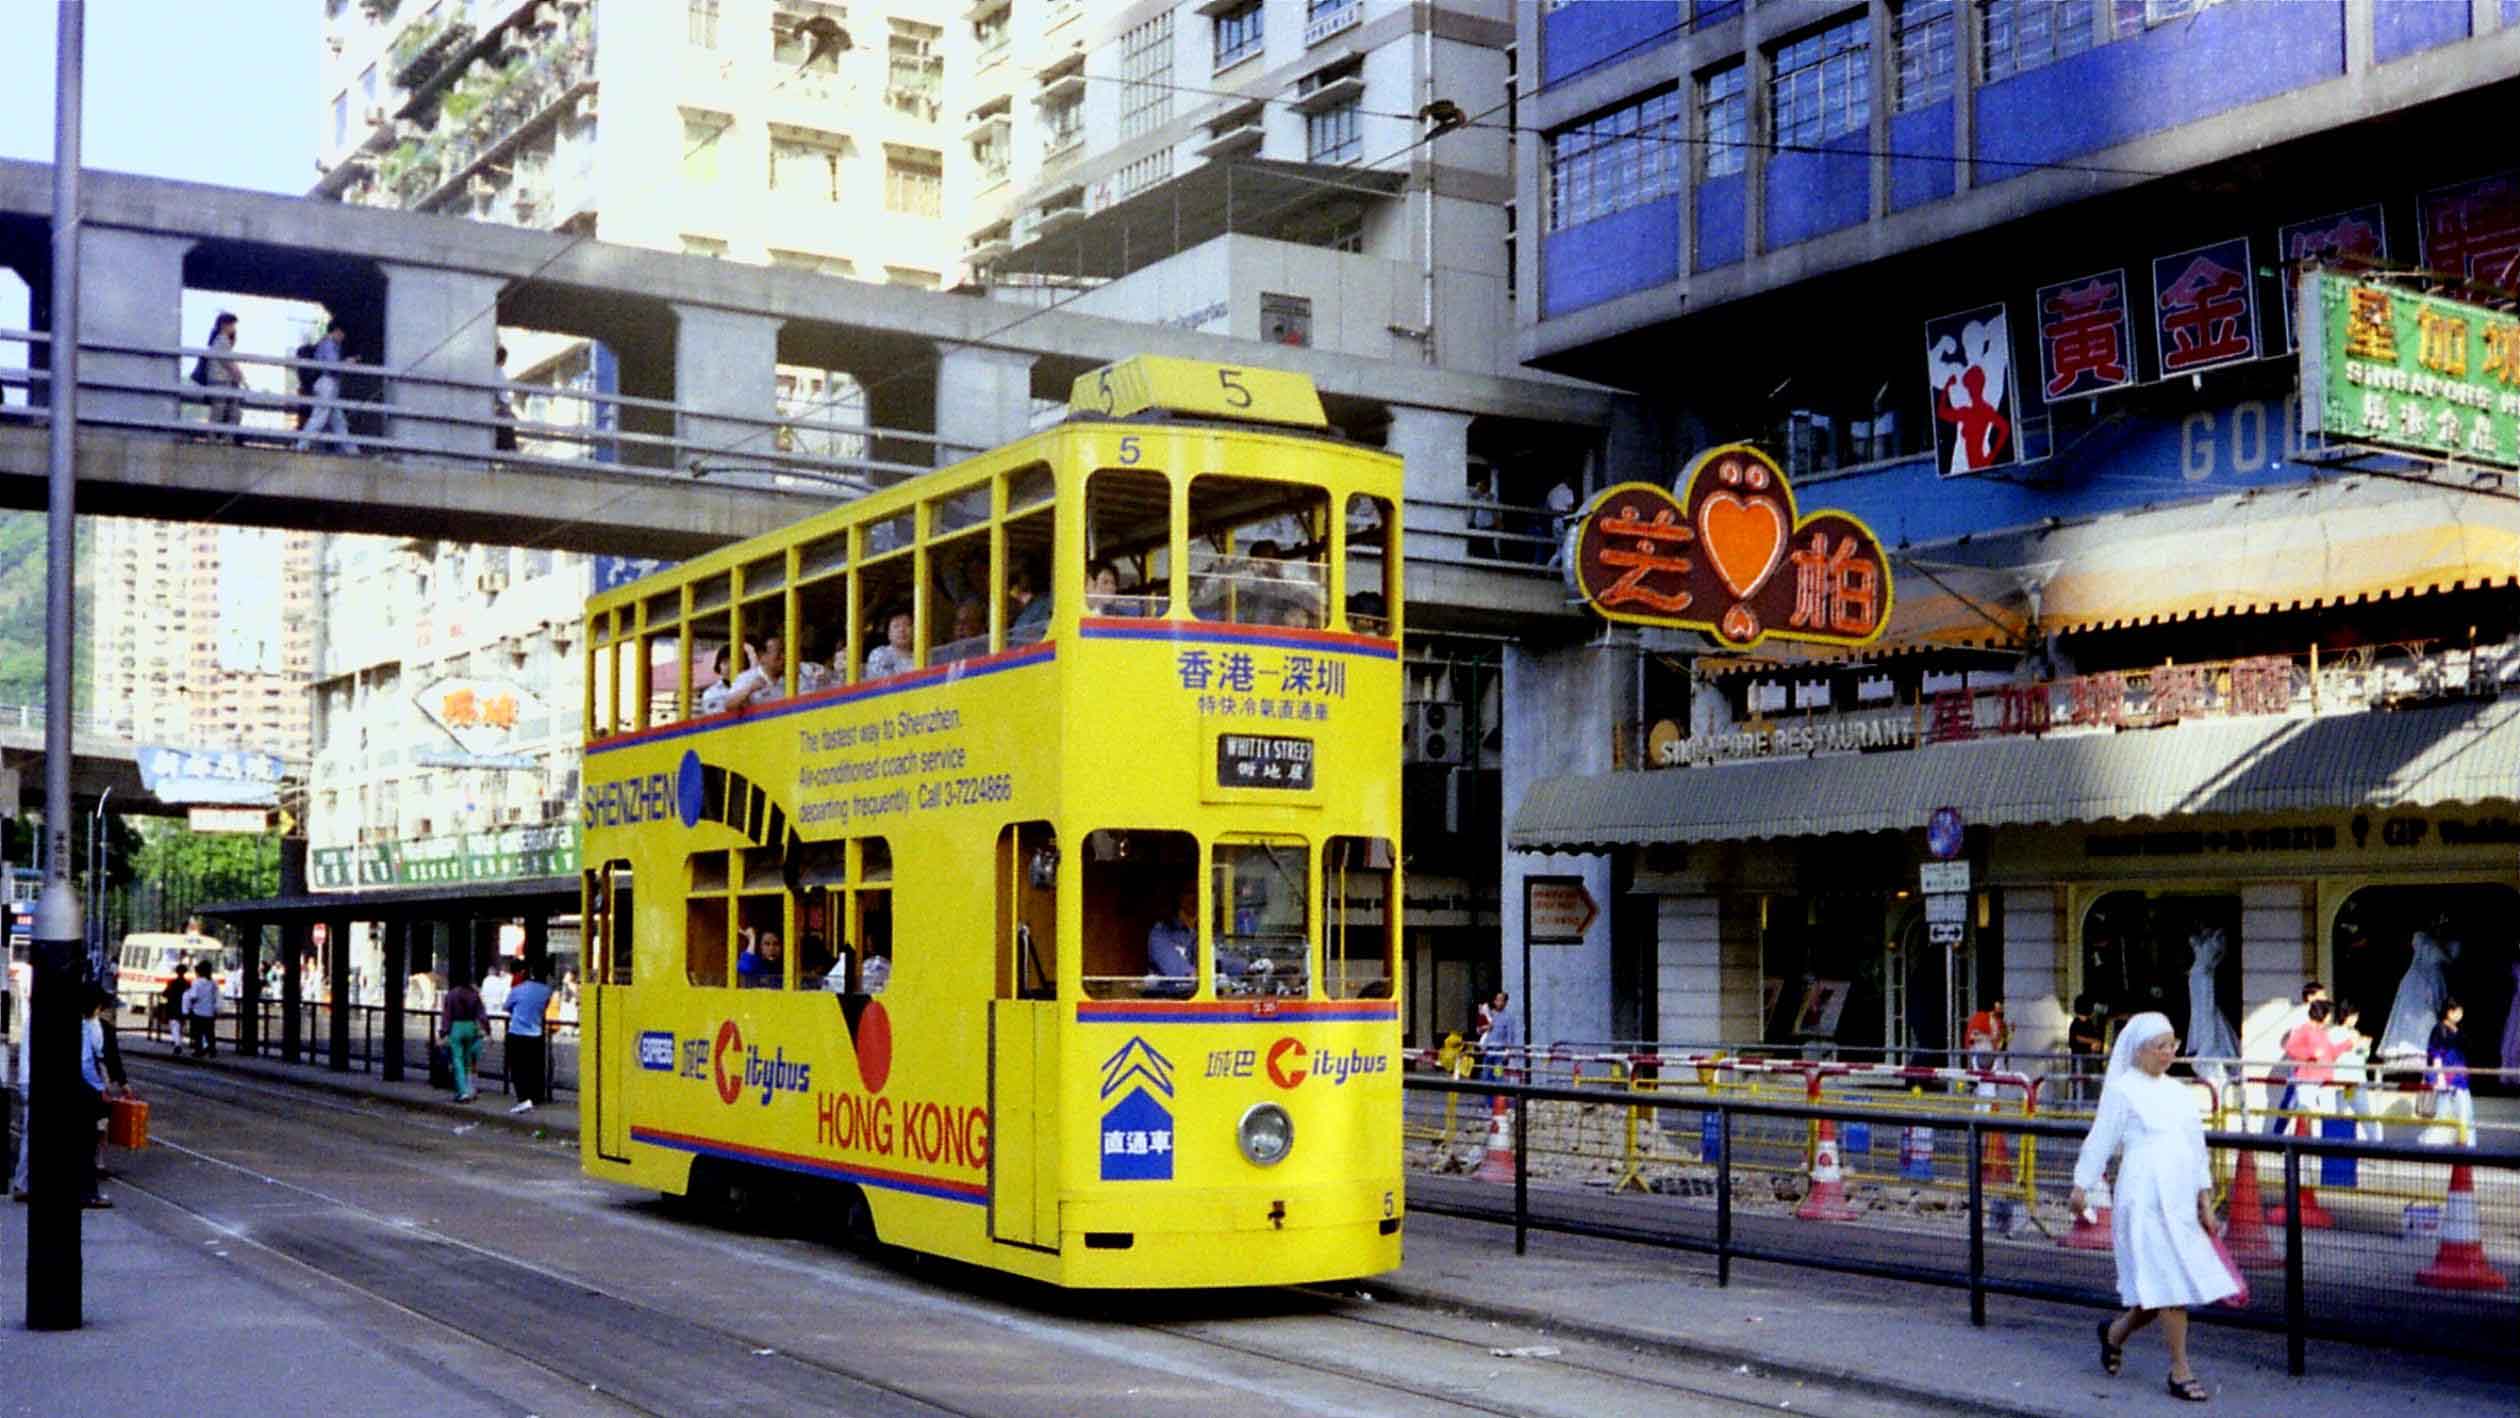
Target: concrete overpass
x=698 y=340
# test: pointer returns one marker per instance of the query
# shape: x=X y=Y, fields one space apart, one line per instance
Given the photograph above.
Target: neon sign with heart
x=1730 y=557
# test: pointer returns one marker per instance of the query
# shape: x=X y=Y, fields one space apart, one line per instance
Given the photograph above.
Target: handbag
x=201 y=371
x=2222 y=1252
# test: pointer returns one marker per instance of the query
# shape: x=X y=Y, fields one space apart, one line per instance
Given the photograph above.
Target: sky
x=216 y=91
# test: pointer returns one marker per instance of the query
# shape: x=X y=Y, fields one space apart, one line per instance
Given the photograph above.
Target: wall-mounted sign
x=1732 y=557
x=507 y=853
x=224 y=776
x=229 y=819
x=2472 y=229
x=2083 y=344
x=1557 y=910
x=2205 y=308
x=2416 y=373
x=481 y=715
x=1968 y=366
x=2326 y=241
x=1835 y=733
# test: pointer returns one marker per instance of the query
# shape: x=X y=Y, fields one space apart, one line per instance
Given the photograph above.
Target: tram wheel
x=857 y=1222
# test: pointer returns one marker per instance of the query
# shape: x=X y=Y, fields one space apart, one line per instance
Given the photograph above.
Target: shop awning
x=2460 y=753
x=2291 y=553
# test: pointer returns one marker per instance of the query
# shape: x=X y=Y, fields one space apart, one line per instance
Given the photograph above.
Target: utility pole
x=60 y=1133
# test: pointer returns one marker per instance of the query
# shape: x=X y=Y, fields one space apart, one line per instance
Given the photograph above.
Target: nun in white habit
x=2163 y=1221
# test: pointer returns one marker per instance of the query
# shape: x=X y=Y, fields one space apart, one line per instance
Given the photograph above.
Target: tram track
x=630 y=1342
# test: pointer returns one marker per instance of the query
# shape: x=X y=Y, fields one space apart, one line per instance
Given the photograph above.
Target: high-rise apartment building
x=1335 y=173
x=204 y=635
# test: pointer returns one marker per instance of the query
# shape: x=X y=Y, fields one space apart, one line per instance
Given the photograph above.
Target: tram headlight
x=1266 y=1134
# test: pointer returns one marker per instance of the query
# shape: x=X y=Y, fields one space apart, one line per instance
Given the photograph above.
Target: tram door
x=1024 y=1042
x=608 y=978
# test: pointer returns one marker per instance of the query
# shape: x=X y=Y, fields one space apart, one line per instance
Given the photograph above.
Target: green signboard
x=508 y=854
x=2413 y=373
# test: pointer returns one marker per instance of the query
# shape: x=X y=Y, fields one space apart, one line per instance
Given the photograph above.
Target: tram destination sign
x=1263 y=761
x=2385 y=366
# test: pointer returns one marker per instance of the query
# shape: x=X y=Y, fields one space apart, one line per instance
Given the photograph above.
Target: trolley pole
x=59 y=1140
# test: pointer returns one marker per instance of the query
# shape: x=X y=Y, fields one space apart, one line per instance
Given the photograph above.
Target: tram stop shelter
x=423 y=925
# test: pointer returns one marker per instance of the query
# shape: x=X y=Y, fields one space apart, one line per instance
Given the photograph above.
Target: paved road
x=488 y=1255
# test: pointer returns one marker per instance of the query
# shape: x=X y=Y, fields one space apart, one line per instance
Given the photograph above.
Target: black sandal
x=2112 y=1356
x=2188 y=1389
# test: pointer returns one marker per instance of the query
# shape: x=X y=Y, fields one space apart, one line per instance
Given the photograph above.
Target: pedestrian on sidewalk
x=170 y=1009
x=201 y=1011
x=2086 y=1042
x=461 y=1023
x=88 y=1099
x=528 y=1060
x=223 y=376
x=1503 y=1040
x=2162 y=1224
x=2451 y=1101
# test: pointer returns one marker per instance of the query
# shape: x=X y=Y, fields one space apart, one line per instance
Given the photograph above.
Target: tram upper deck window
x=1128 y=543
x=1140 y=916
x=1261 y=904
x=1259 y=551
x=958 y=600
x=1356 y=953
x=1373 y=574
x=887 y=592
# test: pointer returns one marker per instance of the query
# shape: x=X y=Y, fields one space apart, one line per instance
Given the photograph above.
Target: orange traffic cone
x=1995 y=1164
x=2460 y=1264
x=2245 y=1234
x=1827 y=1198
x=2092 y=1231
x=2313 y=1216
x=1498 y=1165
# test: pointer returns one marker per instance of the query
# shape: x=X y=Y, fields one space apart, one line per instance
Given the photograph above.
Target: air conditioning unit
x=1436 y=733
x=585 y=108
x=491 y=583
x=375 y=114
x=480 y=188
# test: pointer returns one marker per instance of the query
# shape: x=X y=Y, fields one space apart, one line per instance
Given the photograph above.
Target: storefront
x=2095 y=861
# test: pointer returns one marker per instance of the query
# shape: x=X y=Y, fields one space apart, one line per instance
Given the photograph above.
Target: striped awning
x=2457 y=753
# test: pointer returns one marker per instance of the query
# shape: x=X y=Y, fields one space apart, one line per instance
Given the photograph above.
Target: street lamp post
x=60 y=1131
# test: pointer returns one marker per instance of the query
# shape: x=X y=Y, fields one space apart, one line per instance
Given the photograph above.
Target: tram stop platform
x=182 y=1321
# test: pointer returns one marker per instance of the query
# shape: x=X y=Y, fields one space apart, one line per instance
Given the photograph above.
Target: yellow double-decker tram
x=1006 y=865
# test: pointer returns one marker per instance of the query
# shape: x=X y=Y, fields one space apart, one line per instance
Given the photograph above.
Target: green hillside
x=22 y=608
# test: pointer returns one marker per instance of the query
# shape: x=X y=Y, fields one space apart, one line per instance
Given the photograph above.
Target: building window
x=1144 y=173
x=1063 y=125
x=989 y=152
x=990 y=33
x=1238 y=34
x=1923 y=38
x=702 y=136
x=916 y=81
x=803 y=169
x=704 y=18
x=914 y=183
x=1146 y=71
x=790 y=45
x=1334 y=134
x=1822 y=85
x=341 y=119
x=1723 y=121
x=1512 y=278
x=367 y=85
x=1616 y=160
x=2021 y=35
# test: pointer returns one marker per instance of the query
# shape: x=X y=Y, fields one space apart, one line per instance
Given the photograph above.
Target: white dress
x=2164 y=1257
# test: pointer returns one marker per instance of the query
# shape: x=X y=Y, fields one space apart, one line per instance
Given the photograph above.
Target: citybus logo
x=772 y=1075
x=1279 y=1072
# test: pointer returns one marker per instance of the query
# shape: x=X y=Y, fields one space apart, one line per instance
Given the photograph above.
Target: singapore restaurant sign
x=2415 y=373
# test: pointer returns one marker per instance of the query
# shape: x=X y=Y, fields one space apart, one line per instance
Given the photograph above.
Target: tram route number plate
x=1263 y=761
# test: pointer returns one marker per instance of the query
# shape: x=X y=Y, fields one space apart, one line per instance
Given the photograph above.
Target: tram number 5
x=1102 y=383
x=1130 y=452
x=1230 y=380
x=1387 y=1208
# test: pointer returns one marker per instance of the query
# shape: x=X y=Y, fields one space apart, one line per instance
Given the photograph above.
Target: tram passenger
x=765 y=680
x=813 y=961
x=896 y=655
x=1102 y=591
x=812 y=673
x=1172 y=948
x=713 y=698
x=877 y=973
x=758 y=967
x=971 y=631
x=1031 y=618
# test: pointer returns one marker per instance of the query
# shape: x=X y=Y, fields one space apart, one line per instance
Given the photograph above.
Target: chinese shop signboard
x=2205 y=308
x=2415 y=373
x=1732 y=557
x=2083 y=344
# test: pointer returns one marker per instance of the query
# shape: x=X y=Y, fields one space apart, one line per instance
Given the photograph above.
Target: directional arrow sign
x=1557 y=910
x=1944 y=932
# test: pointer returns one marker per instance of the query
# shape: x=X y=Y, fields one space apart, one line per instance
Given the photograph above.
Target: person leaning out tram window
x=760 y=964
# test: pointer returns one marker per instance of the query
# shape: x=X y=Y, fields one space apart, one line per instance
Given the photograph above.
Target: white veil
x=2139 y=1031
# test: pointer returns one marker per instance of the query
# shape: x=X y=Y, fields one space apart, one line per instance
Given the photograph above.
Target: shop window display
x=2140 y=950
x=2464 y=937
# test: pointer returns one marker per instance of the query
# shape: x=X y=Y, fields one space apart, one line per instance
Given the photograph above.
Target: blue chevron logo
x=1137 y=1059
